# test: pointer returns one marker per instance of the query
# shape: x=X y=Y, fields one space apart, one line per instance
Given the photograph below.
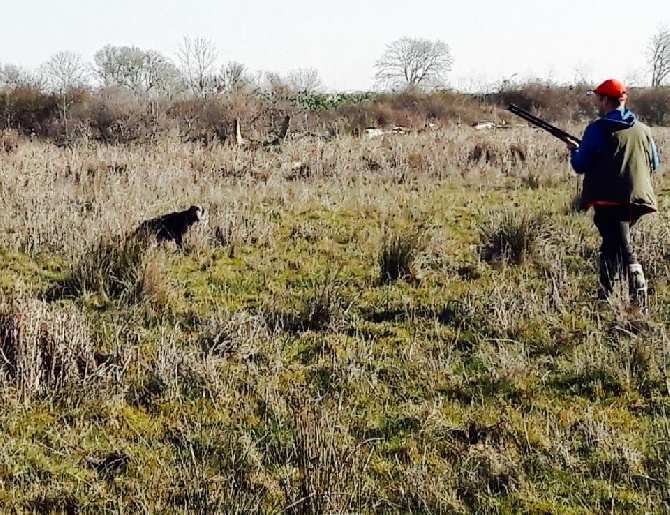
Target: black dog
x=172 y=226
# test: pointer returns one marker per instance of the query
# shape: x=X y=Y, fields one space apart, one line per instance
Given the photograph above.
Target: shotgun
x=538 y=122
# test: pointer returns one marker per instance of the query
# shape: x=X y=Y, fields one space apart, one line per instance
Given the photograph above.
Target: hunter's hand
x=571 y=145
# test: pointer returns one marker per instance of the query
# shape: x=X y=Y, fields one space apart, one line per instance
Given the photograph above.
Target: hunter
x=617 y=156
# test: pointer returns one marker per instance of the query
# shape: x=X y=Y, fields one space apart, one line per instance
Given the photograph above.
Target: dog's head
x=196 y=213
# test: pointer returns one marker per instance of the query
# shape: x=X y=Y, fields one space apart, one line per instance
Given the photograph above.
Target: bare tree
x=15 y=77
x=145 y=72
x=658 y=56
x=232 y=77
x=64 y=72
x=304 y=80
x=3 y=77
x=274 y=84
x=197 y=57
x=414 y=62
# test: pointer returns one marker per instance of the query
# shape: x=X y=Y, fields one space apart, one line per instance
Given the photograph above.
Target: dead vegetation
x=43 y=348
x=394 y=327
x=513 y=236
x=9 y=140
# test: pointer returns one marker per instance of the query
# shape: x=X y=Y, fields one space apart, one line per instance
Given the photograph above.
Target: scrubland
x=406 y=324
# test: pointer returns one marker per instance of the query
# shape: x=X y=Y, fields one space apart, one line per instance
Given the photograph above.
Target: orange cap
x=610 y=88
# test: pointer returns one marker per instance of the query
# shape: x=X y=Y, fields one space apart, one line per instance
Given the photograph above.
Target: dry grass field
x=404 y=324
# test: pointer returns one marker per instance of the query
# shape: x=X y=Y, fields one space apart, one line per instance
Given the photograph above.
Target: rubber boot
x=607 y=276
x=637 y=285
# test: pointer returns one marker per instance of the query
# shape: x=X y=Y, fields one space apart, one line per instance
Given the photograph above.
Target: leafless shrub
x=555 y=105
x=43 y=348
x=118 y=116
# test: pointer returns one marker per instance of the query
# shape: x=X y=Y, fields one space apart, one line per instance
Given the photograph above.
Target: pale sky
x=490 y=40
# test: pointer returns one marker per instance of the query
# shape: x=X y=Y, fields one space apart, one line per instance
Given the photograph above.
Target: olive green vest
x=622 y=172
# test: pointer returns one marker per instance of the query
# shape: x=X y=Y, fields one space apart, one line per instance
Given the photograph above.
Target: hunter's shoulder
x=595 y=129
x=643 y=126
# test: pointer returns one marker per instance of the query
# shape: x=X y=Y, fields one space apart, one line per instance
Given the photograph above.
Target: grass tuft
x=399 y=253
x=114 y=268
x=43 y=348
x=321 y=309
x=512 y=237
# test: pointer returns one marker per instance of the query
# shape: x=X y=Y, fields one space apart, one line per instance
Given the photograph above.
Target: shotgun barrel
x=539 y=122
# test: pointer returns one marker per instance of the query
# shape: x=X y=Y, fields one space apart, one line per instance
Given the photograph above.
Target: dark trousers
x=616 y=252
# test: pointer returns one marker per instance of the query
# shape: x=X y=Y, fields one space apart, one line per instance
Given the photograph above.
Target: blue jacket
x=595 y=139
